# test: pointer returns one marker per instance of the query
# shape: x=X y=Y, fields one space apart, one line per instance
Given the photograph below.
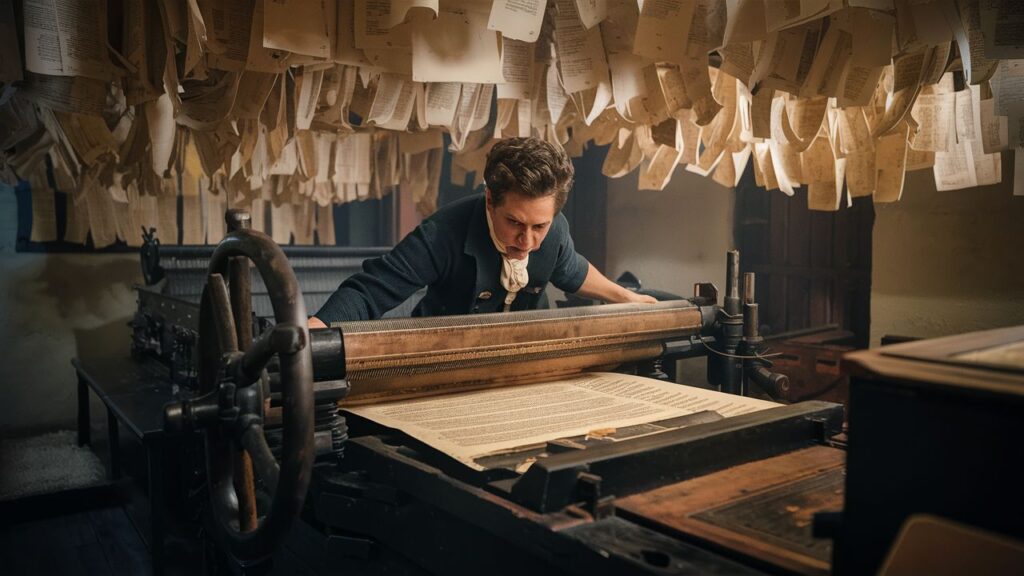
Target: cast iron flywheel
x=230 y=410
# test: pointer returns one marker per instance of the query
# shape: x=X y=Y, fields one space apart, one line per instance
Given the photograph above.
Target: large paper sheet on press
x=471 y=425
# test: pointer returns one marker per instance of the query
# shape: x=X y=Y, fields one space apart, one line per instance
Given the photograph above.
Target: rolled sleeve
x=570 y=266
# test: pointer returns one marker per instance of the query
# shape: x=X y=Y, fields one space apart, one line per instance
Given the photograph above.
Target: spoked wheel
x=254 y=499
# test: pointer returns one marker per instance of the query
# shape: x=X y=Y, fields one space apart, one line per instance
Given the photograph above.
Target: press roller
x=385 y=359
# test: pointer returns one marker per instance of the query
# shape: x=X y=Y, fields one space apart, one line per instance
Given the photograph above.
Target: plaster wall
x=948 y=262
x=671 y=239
x=54 y=307
x=674 y=238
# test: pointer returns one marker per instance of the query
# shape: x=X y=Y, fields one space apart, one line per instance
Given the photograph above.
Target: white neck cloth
x=514 y=275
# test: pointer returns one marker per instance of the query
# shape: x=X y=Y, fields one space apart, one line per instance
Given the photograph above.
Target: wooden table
x=763 y=509
x=134 y=394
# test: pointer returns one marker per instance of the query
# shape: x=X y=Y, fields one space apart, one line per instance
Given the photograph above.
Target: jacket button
x=485 y=295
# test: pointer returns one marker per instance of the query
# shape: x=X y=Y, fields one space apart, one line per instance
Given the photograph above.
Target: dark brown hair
x=528 y=166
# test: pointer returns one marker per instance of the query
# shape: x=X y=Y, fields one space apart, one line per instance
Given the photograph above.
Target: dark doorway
x=813 y=268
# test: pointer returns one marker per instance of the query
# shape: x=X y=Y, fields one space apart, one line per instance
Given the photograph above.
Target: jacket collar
x=479 y=245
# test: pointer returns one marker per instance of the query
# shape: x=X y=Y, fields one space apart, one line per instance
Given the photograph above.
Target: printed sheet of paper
x=159 y=115
x=389 y=91
x=345 y=50
x=592 y=12
x=627 y=71
x=663 y=29
x=964 y=18
x=229 y=32
x=400 y=10
x=859 y=85
x=745 y=22
x=861 y=174
x=67 y=38
x=100 y=207
x=787 y=13
x=555 y=95
x=282 y=222
x=352 y=159
x=167 y=213
x=966 y=164
x=66 y=93
x=372 y=30
x=457 y=47
x=934 y=114
x=964 y=116
x=471 y=425
x=1008 y=86
x=919 y=159
x=707 y=27
x=77 y=229
x=89 y=136
x=872 y=37
x=1002 y=26
x=214 y=206
x=785 y=58
x=402 y=109
x=738 y=61
x=987 y=164
x=656 y=171
x=517 y=19
x=891 y=161
x=581 y=55
x=954 y=169
x=307 y=93
x=516 y=69
x=130 y=219
x=829 y=65
x=624 y=155
x=44 y=214
x=193 y=231
x=141 y=32
x=994 y=128
x=301 y=26
x=442 y=99
x=325 y=225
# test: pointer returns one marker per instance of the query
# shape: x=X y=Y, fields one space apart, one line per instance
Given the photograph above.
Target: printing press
x=695 y=494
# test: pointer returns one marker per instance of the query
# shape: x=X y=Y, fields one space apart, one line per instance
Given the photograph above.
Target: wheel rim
x=291 y=483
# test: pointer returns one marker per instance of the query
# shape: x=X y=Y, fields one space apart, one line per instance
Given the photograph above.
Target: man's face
x=521 y=222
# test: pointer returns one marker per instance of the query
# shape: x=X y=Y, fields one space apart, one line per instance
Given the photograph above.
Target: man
x=490 y=253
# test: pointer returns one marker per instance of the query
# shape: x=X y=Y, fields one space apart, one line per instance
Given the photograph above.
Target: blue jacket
x=451 y=253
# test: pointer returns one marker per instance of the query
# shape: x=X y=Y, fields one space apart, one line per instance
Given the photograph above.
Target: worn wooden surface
x=762 y=510
x=938 y=364
x=812 y=363
x=403 y=358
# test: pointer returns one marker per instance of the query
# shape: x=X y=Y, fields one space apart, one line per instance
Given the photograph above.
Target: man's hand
x=641 y=298
x=597 y=287
x=315 y=322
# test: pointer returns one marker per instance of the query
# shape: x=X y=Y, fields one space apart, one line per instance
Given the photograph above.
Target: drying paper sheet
x=471 y=425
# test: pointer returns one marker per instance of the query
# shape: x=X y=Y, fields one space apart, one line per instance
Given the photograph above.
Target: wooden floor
x=96 y=542
x=97 y=530
x=104 y=530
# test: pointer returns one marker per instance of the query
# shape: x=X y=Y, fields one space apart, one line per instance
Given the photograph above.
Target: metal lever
x=756 y=369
